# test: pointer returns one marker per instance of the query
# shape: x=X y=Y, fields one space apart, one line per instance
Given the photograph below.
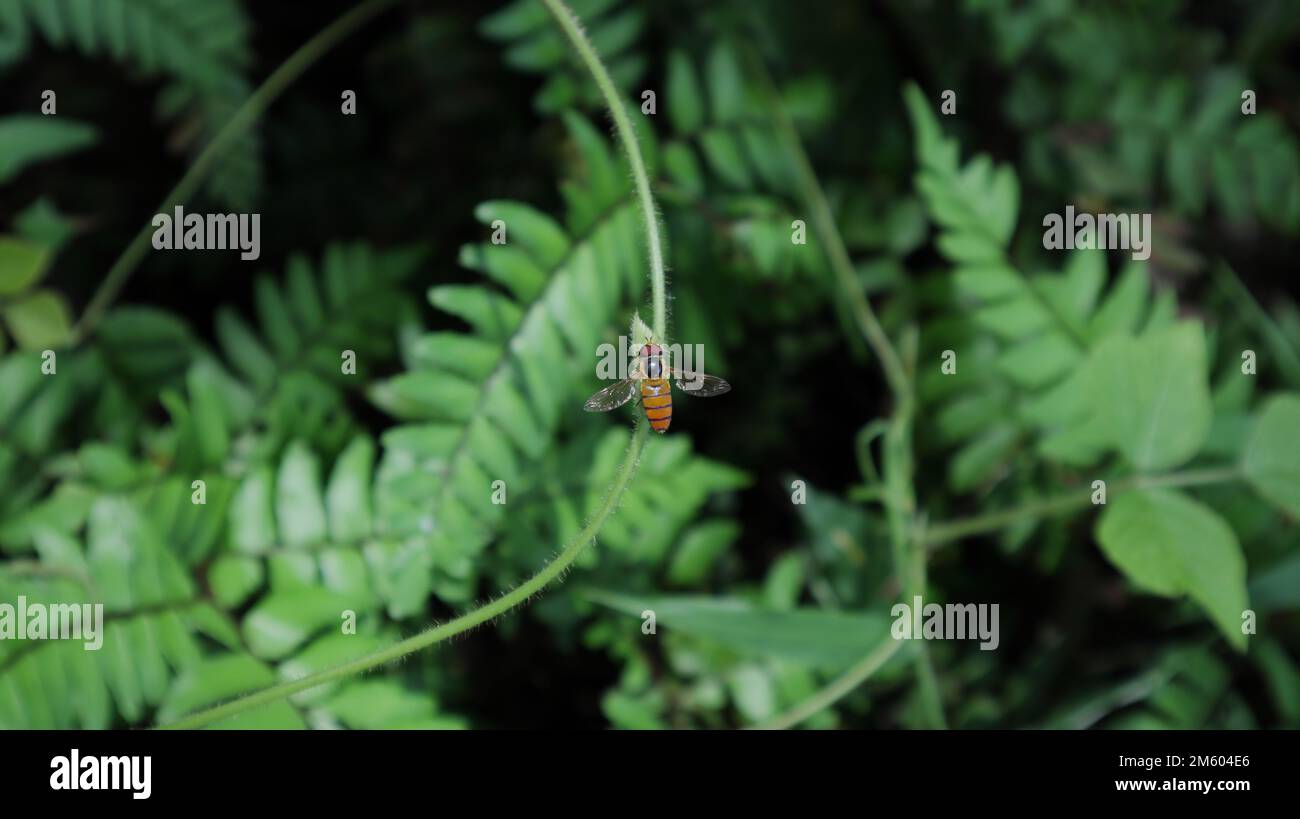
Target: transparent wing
x=612 y=397
x=699 y=385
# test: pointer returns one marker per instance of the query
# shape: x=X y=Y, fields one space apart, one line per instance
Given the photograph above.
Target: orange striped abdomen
x=657 y=399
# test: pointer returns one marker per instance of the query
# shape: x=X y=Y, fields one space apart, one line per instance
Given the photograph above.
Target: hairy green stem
x=941 y=533
x=571 y=552
x=837 y=690
x=572 y=29
x=477 y=617
x=248 y=113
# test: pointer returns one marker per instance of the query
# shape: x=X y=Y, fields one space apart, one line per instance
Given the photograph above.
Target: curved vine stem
x=248 y=113
x=898 y=486
x=823 y=221
x=519 y=595
x=574 y=549
x=568 y=22
x=837 y=690
x=939 y=534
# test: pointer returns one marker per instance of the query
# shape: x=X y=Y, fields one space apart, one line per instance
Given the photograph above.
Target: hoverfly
x=656 y=395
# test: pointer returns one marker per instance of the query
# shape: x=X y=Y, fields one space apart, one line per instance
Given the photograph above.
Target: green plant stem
x=908 y=549
x=823 y=222
x=571 y=552
x=517 y=596
x=1288 y=358
x=908 y=555
x=572 y=29
x=248 y=113
x=936 y=535
x=837 y=690
x=941 y=533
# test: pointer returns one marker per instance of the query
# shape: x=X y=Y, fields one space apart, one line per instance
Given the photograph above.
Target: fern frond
x=201 y=47
x=1183 y=688
x=725 y=151
x=154 y=624
x=286 y=378
x=535 y=46
x=676 y=485
x=1035 y=334
x=488 y=402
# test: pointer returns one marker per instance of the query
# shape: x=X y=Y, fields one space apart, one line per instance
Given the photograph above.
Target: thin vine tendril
x=574 y=549
x=241 y=121
x=437 y=634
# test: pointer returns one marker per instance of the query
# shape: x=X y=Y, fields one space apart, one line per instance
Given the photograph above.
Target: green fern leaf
x=202 y=48
x=533 y=45
x=486 y=419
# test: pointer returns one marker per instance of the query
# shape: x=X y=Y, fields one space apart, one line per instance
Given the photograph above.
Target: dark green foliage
x=250 y=509
x=200 y=48
x=532 y=43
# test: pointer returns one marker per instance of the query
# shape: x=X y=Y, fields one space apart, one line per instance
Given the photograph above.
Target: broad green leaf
x=39 y=321
x=30 y=138
x=1153 y=394
x=1171 y=545
x=823 y=639
x=21 y=264
x=1271 y=459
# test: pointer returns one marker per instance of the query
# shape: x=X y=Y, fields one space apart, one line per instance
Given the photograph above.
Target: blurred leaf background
x=371 y=492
